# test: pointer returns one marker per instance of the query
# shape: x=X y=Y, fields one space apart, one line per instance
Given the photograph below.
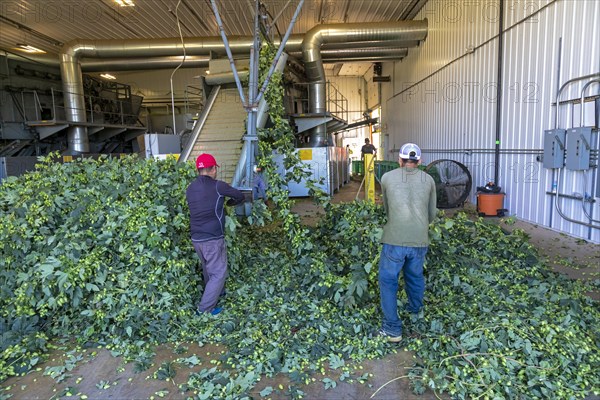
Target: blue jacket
x=206 y=198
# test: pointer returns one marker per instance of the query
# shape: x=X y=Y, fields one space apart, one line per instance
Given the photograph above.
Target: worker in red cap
x=206 y=199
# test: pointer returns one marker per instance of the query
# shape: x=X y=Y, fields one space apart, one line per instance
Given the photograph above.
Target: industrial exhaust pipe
x=334 y=36
x=342 y=33
x=74 y=51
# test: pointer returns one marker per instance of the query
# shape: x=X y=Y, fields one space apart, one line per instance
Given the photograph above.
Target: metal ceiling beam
x=110 y=14
x=197 y=17
x=412 y=9
x=33 y=32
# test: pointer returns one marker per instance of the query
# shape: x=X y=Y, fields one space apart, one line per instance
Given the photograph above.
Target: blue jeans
x=393 y=260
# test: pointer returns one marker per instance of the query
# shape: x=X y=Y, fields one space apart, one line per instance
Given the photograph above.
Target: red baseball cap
x=205 y=161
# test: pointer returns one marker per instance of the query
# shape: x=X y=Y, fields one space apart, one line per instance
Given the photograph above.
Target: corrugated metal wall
x=443 y=97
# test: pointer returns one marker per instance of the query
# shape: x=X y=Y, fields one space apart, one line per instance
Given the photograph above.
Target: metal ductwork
x=152 y=52
x=74 y=51
x=346 y=33
x=361 y=54
x=72 y=82
x=369 y=44
x=118 y=64
x=142 y=63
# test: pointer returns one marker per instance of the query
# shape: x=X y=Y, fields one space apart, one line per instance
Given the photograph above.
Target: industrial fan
x=452 y=181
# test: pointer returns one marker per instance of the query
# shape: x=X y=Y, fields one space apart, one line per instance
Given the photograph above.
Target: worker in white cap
x=409 y=199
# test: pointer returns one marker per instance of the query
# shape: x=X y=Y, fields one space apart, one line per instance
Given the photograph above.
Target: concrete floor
x=102 y=376
x=99 y=375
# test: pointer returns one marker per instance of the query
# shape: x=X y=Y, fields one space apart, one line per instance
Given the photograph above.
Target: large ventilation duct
x=72 y=82
x=70 y=67
x=142 y=63
x=346 y=33
x=369 y=44
x=356 y=54
x=118 y=64
x=154 y=51
x=293 y=45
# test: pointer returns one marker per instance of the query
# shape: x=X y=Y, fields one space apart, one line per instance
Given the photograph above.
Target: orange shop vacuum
x=490 y=201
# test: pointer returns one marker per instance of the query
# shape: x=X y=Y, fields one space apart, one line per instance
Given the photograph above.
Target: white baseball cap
x=410 y=151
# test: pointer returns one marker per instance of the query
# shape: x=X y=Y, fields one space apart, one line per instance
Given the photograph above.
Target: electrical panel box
x=579 y=146
x=554 y=148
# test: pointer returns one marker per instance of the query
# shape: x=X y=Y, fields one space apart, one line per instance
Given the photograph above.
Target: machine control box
x=579 y=148
x=554 y=148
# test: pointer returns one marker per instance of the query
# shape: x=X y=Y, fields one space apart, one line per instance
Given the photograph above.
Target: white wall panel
x=443 y=97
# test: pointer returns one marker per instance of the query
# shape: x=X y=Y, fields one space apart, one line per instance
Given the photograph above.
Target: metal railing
x=49 y=108
x=31 y=106
x=193 y=99
x=299 y=100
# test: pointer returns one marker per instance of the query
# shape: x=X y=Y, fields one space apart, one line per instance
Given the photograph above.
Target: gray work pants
x=213 y=256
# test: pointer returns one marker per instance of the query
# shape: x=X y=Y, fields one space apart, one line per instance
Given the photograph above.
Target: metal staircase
x=218 y=131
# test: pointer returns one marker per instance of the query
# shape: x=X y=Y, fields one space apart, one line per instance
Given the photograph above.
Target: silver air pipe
x=361 y=54
x=142 y=63
x=345 y=60
x=72 y=83
x=349 y=54
x=370 y=44
x=117 y=64
x=293 y=45
x=70 y=68
x=346 y=33
x=331 y=36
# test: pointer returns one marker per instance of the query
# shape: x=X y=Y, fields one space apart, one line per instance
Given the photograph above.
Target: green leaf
x=329 y=383
x=335 y=361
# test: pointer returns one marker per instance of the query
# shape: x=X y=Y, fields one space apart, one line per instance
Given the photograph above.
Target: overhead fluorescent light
x=125 y=3
x=108 y=76
x=28 y=48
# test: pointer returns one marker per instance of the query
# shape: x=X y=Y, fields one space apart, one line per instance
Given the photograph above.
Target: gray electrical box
x=579 y=146
x=554 y=148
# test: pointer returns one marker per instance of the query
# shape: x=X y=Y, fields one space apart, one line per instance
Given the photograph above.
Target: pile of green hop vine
x=99 y=251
